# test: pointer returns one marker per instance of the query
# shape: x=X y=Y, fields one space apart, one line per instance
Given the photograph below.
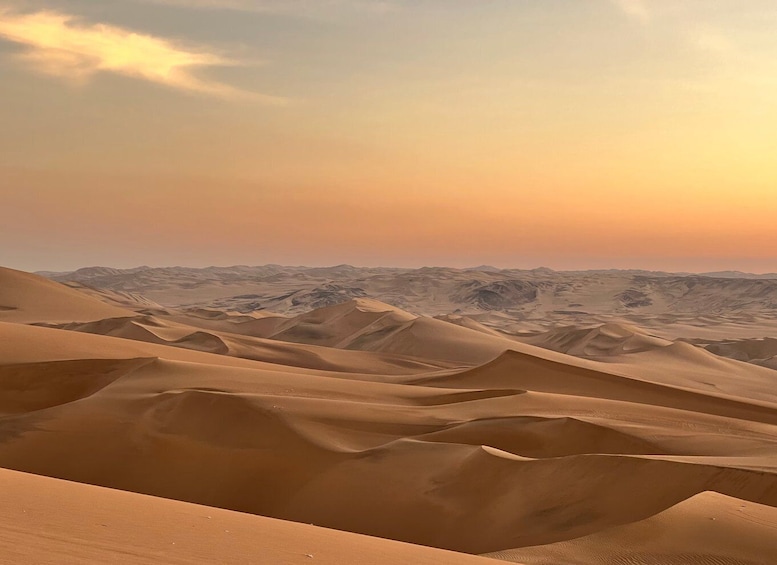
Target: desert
x=573 y=445
x=372 y=282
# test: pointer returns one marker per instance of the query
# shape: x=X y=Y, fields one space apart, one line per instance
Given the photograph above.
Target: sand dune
x=372 y=326
x=428 y=338
x=746 y=350
x=28 y=298
x=337 y=326
x=470 y=323
x=526 y=372
x=50 y=522
x=163 y=331
x=684 y=365
x=130 y=300
x=708 y=529
x=605 y=340
x=364 y=418
x=30 y=344
x=30 y=387
x=761 y=351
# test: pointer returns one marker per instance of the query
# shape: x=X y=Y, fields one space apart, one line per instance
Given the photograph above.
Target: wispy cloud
x=637 y=9
x=61 y=45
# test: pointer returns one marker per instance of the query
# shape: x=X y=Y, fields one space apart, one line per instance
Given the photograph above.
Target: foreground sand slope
x=708 y=529
x=52 y=522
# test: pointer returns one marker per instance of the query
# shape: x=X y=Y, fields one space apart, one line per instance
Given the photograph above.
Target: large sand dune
x=49 y=522
x=708 y=529
x=362 y=417
x=160 y=331
x=28 y=298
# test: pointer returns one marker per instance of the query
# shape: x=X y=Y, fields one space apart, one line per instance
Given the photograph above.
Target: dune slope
x=708 y=529
x=52 y=522
x=26 y=298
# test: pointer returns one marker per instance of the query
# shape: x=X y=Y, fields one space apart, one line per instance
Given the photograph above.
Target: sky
x=570 y=134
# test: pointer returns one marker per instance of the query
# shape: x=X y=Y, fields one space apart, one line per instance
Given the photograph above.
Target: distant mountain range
x=92 y=272
x=511 y=300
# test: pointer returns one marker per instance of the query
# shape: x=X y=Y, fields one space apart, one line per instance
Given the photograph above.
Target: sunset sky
x=565 y=133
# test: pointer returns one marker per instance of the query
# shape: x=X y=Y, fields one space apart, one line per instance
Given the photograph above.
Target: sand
x=708 y=529
x=51 y=522
x=28 y=298
x=363 y=418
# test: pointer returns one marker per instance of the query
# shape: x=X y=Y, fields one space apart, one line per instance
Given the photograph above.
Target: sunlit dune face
x=58 y=45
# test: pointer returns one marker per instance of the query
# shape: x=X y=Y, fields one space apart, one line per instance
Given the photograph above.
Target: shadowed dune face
x=761 y=351
x=364 y=418
x=36 y=386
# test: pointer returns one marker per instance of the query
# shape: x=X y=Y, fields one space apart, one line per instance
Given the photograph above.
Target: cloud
x=636 y=9
x=60 y=45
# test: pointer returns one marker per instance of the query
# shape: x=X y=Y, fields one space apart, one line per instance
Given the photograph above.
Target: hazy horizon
x=409 y=267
